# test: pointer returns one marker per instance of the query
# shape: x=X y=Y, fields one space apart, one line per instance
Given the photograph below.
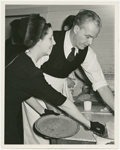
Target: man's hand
x=70 y=82
x=97 y=128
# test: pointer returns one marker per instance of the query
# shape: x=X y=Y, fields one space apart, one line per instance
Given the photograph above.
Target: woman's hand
x=49 y=112
x=97 y=128
x=50 y=107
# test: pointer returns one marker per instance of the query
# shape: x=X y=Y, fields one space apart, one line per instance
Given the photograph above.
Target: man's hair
x=85 y=16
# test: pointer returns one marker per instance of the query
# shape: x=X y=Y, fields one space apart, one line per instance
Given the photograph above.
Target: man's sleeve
x=93 y=70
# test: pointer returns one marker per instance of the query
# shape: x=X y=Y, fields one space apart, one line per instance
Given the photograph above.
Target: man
x=71 y=80
x=86 y=27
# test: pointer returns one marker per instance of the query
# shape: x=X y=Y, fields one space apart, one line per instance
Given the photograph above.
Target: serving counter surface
x=86 y=136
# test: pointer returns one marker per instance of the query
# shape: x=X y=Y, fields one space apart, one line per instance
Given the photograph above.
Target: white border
x=116 y=4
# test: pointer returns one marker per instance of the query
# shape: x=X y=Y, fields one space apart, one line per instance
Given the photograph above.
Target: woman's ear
x=38 y=43
x=76 y=29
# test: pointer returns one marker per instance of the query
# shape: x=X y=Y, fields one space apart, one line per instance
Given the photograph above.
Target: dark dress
x=22 y=81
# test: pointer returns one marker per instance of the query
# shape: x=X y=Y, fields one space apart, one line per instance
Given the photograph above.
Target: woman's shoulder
x=20 y=62
x=28 y=65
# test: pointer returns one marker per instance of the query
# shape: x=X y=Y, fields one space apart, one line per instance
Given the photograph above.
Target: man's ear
x=76 y=29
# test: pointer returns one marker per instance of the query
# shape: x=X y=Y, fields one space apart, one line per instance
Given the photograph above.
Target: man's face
x=84 y=35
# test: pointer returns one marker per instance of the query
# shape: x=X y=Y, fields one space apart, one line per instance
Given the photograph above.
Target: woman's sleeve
x=38 y=87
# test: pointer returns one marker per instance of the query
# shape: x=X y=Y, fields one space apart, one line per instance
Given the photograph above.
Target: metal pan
x=56 y=127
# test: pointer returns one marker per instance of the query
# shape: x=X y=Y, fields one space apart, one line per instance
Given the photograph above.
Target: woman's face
x=47 y=42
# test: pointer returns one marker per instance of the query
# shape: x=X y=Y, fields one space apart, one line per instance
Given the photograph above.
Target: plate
x=56 y=126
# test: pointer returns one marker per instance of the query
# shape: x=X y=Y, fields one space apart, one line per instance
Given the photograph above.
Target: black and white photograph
x=59 y=65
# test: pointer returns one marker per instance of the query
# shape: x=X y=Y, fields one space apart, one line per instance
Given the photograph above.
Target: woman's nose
x=53 y=42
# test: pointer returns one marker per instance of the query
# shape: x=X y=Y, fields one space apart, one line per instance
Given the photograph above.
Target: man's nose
x=90 y=41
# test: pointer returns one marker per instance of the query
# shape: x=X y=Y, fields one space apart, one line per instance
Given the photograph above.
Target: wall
x=17 y=11
x=55 y=14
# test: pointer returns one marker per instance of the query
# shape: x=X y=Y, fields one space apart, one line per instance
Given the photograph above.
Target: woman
x=22 y=74
x=23 y=79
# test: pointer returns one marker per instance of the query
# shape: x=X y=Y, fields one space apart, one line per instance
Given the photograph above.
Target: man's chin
x=82 y=48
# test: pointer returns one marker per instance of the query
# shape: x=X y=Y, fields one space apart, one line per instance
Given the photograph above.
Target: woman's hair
x=45 y=30
x=87 y=15
x=68 y=22
x=32 y=29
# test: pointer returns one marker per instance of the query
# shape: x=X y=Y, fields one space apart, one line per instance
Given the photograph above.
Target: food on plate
x=57 y=127
x=82 y=97
x=105 y=109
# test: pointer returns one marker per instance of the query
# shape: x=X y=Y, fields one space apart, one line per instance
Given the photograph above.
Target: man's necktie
x=71 y=55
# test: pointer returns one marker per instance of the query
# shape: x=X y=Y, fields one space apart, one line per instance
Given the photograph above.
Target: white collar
x=68 y=45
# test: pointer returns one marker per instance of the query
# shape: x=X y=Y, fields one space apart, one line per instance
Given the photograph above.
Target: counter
x=86 y=136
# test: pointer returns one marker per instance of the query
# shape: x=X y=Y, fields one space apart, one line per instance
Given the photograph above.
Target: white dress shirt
x=68 y=45
x=90 y=65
